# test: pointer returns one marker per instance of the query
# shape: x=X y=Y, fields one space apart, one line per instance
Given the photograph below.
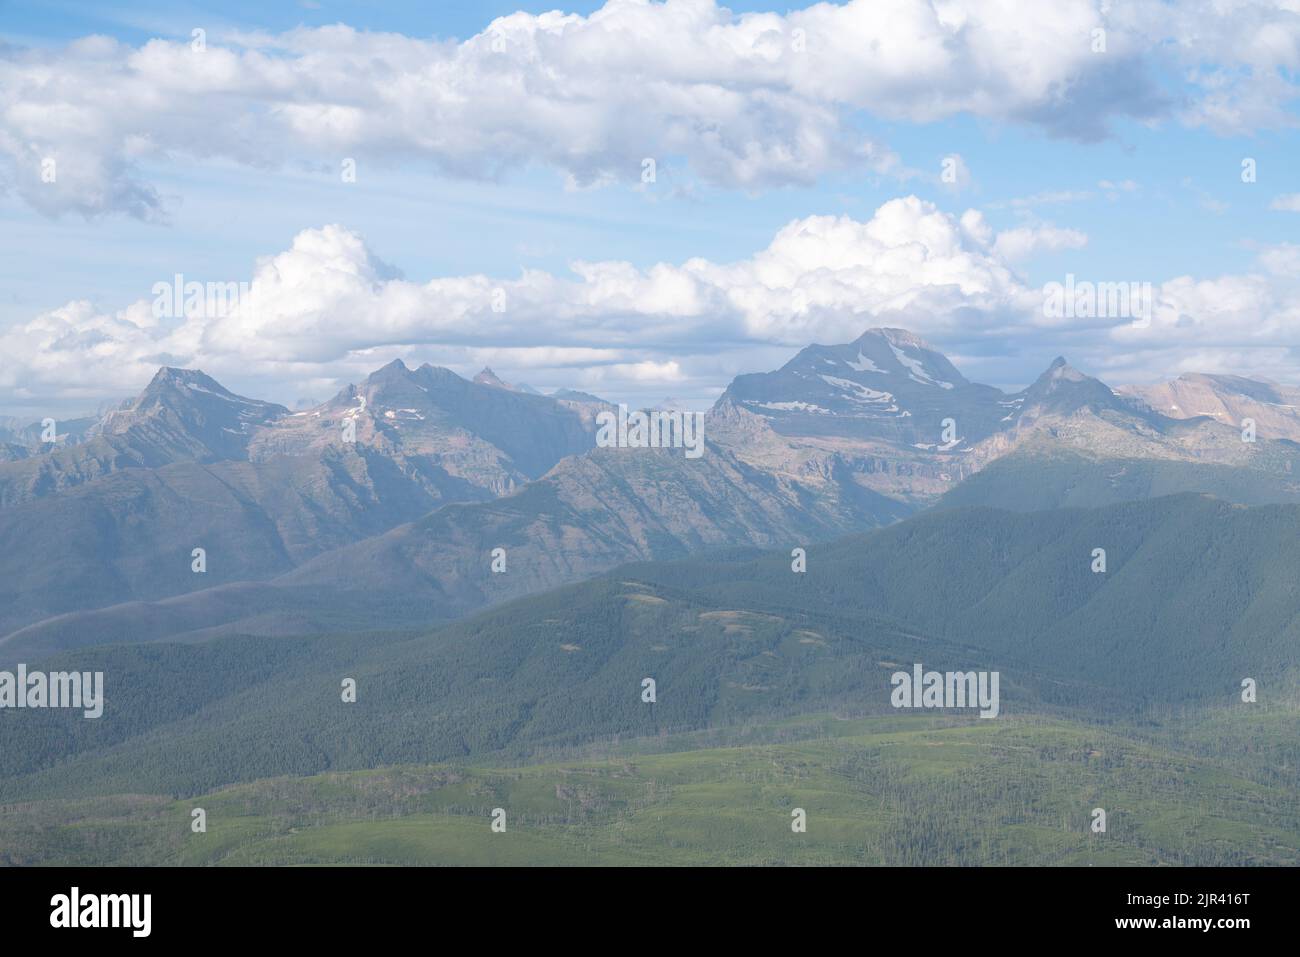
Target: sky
x=640 y=200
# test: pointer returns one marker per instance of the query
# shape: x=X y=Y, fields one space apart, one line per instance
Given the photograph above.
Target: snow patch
x=857 y=392
x=917 y=371
x=793 y=407
x=864 y=364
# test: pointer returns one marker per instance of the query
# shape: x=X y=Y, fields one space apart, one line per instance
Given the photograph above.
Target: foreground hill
x=876 y=791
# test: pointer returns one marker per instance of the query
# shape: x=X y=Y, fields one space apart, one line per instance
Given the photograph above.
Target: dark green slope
x=561 y=668
x=877 y=791
x=1038 y=479
x=1197 y=595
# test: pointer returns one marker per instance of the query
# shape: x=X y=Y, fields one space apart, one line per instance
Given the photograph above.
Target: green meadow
x=876 y=791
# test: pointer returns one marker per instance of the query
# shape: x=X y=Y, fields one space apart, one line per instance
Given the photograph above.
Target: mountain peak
x=1064 y=389
x=170 y=382
x=902 y=338
x=392 y=370
x=488 y=377
x=191 y=414
x=887 y=385
x=1061 y=371
x=187 y=378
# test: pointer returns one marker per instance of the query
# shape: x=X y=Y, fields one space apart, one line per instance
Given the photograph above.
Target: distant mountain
x=181 y=416
x=431 y=418
x=841 y=438
x=190 y=412
x=487 y=377
x=892 y=411
x=1064 y=390
x=1067 y=410
x=188 y=464
x=590 y=513
x=1227 y=399
x=21 y=438
x=888 y=385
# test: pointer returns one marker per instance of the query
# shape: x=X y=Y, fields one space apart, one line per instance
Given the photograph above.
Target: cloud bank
x=746 y=101
x=339 y=311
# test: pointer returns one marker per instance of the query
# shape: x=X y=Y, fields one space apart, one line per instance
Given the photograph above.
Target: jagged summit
x=488 y=377
x=1063 y=389
x=889 y=384
x=1061 y=371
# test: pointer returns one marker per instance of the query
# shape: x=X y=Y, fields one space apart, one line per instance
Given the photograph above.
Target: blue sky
x=1102 y=184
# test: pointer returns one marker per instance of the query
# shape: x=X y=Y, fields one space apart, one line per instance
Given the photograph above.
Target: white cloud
x=327 y=311
x=1288 y=202
x=1281 y=260
x=1246 y=324
x=1046 y=198
x=747 y=100
x=1020 y=243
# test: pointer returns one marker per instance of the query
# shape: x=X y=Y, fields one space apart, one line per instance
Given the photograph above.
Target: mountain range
x=387 y=500
x=499 y=587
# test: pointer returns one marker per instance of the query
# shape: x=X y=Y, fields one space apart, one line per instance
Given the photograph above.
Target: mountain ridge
x=276 y=494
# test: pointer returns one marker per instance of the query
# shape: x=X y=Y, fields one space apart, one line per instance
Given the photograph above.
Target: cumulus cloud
x=1288 y=203
x=1245 y=324
x=327 y=310
x=746 y=100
